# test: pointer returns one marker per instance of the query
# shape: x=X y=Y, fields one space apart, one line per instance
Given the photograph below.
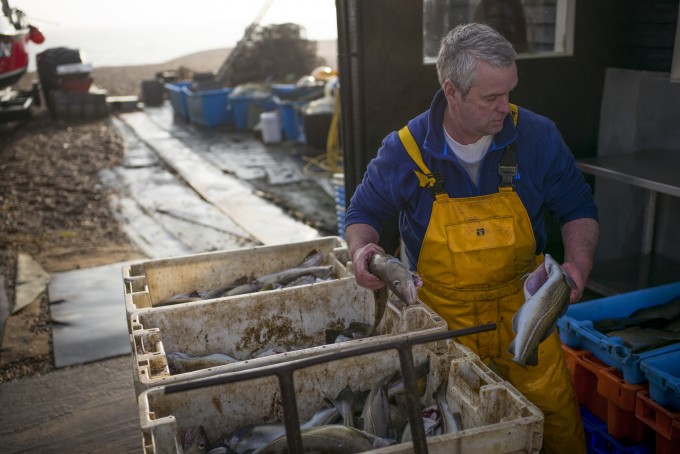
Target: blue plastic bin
x=291 y=117
x=178 y=99
x=663 y=373
x=590 y=423
x=209 y=108
x=603 y=443
x=247 y=109
x=576 y=328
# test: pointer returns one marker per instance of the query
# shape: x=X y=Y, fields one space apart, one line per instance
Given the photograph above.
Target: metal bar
x=291 y=419
x=285 y=371
x=648 y=225
x=415 y=417
x=275 y=369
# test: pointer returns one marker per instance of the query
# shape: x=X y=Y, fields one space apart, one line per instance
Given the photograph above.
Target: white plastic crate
x=242 y=326
x=496 y=417
x=149 y=283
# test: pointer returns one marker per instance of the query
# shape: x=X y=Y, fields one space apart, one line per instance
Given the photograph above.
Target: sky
x=120 y=32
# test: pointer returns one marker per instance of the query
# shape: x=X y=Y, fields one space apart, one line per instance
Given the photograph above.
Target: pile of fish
x=355 y=421
x=308 y=271
x=181 y=362
x=645 y=329
x=546 y=293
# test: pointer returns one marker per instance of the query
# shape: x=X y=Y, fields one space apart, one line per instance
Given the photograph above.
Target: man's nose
x=503 y=104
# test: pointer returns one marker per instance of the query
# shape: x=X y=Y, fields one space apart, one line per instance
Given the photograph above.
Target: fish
x=180 y=363
x=452 y=420
x=376 y=412
x=330 y=439
x=222 y=290
x=252 y=438
x=380 y=303
x=640 y=340
x=307 y=279
x=187 y=297
x=396 y=276
x=432 y=419
x=195 y=440
x=657 y=316
x=546 y=292
x=344 y=403
x=355 y=330
x=281 y=278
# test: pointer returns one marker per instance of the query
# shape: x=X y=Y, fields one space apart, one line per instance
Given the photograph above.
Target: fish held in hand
x=396 y=276
x=547 y=292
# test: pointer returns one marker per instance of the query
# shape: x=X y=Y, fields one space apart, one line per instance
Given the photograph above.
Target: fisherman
x=470 y=179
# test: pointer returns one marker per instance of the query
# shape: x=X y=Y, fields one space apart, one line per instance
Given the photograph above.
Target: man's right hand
x=360 y=260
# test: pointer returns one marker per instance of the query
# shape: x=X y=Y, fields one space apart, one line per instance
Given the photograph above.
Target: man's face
x=482 y=111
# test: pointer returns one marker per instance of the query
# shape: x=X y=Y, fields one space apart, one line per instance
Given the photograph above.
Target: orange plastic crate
x=664 y=422
x=601 y=389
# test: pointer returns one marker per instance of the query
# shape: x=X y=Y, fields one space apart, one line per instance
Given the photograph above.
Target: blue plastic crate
x=291 y=116
x=603 y=443
x=178 y=99
x=247 y=109
x=590 y=423
x=209 y=107
x=576 y=328
x=663 y=373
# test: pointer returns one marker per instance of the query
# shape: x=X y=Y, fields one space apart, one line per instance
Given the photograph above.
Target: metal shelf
x=657 y=171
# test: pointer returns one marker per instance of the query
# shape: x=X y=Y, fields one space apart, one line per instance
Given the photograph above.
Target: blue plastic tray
x=576 y=328
x=663 y=373
x=590 y=423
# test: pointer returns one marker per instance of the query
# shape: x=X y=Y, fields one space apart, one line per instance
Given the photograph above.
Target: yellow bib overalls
x=472 y=261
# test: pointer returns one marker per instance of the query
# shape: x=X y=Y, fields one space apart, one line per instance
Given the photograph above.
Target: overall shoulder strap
x=426 y=178
x=507 y=168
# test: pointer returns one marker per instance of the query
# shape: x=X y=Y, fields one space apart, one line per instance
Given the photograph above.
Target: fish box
x=495 y=416
x=577 y=331
x=663 y=373
x=293 y=320
x=147 y=284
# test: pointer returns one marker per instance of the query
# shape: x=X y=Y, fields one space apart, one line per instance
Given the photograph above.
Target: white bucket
x=271 y=127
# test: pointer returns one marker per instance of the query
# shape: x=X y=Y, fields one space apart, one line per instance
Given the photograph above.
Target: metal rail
x=285 y=371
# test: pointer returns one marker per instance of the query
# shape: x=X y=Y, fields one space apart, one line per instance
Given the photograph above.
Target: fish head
x=195 y=440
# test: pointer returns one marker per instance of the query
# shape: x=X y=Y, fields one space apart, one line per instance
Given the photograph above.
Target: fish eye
x=396 y=283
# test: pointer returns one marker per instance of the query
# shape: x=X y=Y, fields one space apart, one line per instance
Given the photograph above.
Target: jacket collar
x=434 y=139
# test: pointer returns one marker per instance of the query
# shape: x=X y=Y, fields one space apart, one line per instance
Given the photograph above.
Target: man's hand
x=580 y=238
x=360 y=261
x=579 y=274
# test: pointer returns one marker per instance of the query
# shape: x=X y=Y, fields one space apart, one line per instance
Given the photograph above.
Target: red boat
x=15 y=33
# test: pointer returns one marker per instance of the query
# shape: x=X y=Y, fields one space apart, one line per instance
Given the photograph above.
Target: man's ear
x=450 y=90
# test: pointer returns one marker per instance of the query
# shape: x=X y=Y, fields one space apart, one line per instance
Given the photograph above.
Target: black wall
x=384 y=82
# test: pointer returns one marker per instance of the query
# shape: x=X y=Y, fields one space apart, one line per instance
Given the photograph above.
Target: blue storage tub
x=663 y=373
x=590 y=423
x=291 y=117
x=576 y=328
x=247 y=109
x=178 y=99
x=603 y=443
x=209 y=107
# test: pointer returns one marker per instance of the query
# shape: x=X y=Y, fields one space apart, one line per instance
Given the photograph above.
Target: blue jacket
x=547 y=177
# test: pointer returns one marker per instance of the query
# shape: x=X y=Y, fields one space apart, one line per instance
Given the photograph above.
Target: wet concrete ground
x=182 y=190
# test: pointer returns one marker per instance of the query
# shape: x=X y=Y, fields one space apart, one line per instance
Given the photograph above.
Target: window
x=536 y=28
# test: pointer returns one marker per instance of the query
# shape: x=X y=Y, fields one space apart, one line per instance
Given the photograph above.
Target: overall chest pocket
x=482 y=251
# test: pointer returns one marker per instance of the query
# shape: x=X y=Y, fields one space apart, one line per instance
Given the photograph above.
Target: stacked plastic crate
x=634 y=395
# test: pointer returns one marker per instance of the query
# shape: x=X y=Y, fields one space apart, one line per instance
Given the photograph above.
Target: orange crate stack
x=664 y=422
x=602 y=390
